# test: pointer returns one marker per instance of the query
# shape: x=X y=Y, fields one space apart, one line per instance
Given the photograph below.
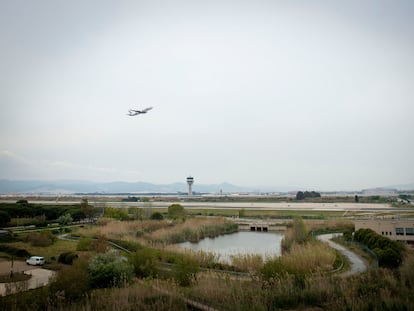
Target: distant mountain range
x=77 y=186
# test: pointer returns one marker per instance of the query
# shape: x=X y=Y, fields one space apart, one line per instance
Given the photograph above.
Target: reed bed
x=309 y=258
x=203 y=258
x=161 y=232
x=140 y=296
x=193 y=230
x=247 y=262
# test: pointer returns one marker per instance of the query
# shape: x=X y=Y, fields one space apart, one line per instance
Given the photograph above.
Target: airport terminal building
x=398 y=230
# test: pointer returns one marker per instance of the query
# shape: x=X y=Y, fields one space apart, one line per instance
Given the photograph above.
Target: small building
x=394 y=229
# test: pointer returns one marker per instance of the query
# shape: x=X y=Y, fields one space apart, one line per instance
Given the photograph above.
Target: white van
x=35 y=261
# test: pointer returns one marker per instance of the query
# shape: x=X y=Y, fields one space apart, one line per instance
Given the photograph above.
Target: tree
x=86 y=209
x=109 y=269
x=176 y=210
x=307 y=194
x=65 y=219
x=300 y=195
x=4 y=218
x=300 y=231
x=157 y=216
x=67 y=258
x=72 y=283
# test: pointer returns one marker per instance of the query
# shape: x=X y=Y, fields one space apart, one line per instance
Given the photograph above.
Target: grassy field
x=49 y=252
x=235 y=212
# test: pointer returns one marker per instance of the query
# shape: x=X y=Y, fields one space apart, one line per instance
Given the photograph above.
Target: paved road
x=40 y=277
x=357 y=264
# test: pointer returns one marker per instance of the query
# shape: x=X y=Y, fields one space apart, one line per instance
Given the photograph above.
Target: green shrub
x=176 y=211
x=145 y=262
x=14 y=251
x=273 y=269
x=185 y=271
x=84 y=244
x=4 y=218
x=67 y=258
x=71 y=284
x=65 y=219
x=157 y=216
x=109 y=269
x=389 y=252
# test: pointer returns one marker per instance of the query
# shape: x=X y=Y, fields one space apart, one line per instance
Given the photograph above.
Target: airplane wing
x=146 y=109
x=132 y=112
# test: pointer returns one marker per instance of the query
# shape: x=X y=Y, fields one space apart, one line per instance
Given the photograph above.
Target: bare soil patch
x=18 y=266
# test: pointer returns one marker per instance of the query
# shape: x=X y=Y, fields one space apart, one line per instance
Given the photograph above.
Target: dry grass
x=192 y=224
x=139 y=296
x=54 y=250
x=247 y=262
x=150 y=232
x=318 y=224
x=310 y=257
x=205 y=259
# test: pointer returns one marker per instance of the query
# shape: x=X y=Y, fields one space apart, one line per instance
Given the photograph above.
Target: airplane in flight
x=132 y=112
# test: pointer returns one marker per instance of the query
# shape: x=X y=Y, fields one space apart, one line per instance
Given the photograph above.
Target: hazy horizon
x=316 y=95
x=118 y=186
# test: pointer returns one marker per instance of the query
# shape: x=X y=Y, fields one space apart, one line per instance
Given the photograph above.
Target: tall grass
x=312 y=257
x=247 y=262
x=193 y=230
x=162 y=232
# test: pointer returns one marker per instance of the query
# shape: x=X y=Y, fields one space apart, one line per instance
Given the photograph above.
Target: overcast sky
x=311 y=94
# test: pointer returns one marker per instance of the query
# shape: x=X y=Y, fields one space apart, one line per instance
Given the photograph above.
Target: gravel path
x=357 y=264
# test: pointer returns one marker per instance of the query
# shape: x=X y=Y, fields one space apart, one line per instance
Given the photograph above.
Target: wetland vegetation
x=156 y=275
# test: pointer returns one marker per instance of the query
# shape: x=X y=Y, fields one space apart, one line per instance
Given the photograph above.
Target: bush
x=273 y=269
x=99 y=245
x=71 y=283
x=65 y=219
x=14 y=251
x=176 y=211
x=43 y=238
x=116 y=213
x=185 y=271
x=109 y=269
x=4 y=218
x=145 y=262
x=84 y=244
x=157 y=216
x=389 y=252
x=67 y=258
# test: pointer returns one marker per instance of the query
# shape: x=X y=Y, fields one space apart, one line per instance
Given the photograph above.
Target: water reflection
x=262 y=243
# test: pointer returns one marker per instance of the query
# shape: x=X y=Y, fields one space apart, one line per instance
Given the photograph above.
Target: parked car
x=35 y=261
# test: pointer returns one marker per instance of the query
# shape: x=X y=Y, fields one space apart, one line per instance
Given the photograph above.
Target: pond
x=244 y=242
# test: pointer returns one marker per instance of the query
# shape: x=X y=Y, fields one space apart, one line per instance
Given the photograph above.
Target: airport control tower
x=190 y=181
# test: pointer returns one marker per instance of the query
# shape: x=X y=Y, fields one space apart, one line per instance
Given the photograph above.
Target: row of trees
x=389 y=252
x=300 y=195
x=24 y=209
x=175 y=211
